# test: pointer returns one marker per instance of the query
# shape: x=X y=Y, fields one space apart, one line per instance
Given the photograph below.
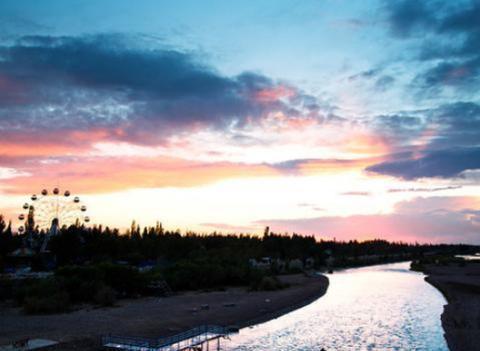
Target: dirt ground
x=461 y=317
x=155 y=317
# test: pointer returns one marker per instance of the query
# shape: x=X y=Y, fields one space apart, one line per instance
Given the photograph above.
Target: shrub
x=36 y=287
x=417 y=266
x=105 y=296
x=6 y=288
x=56 y=303
x=268 y=283
x=81 y=283
x=205 y=273
x=124 y=279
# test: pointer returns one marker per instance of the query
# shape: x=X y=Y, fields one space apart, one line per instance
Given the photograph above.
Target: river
x=384 y=307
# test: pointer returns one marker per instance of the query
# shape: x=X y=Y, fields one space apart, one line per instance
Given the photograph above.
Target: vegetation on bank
x=97 y=265
x=419 y=264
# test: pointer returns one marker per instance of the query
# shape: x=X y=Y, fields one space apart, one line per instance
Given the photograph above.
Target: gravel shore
x=155 y=317
x=461 y=316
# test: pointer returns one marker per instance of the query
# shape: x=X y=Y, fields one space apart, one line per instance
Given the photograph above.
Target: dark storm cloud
x=111 y=81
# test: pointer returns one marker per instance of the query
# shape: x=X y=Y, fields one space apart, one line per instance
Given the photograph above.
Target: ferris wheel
x=52 y=210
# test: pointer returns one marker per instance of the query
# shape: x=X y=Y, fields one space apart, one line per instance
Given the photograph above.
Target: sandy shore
x=155 y=317
x=461 y=316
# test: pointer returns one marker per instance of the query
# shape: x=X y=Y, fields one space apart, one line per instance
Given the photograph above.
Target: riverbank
x=460 y=284
x=154 y=317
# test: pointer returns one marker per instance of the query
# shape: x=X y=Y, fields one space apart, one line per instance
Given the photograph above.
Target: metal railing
x=128 y=341
x=181 y=341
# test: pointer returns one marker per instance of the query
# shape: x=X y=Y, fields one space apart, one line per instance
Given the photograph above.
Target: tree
x=3 y=224
x=159 y=228
x=6 y=237
x=266 y=231
x=30 y=222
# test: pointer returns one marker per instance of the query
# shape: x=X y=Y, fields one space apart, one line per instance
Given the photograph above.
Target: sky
x=335 y=118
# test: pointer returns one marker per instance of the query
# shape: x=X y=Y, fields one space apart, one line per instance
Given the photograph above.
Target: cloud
x=310 y=206
x=228 y=228
x=384 y=82
x=381 y=82
x=449 y=36
x=439 y=142
x=399 y=127
x=463 y=74
x=423 y=190
x=61 y=97
x=406 y=17
x=314 y=165
x=442 y=163
x=433 y=228
x=101 y=62
x=109 y=174
x=368 y=74
x=461 y=24
x=8 y=173
x=458 y=125
x=13 y=24
x=112 y=82
x=115 y=169
x=350 y=23
x=356 y=193
x=434 y=220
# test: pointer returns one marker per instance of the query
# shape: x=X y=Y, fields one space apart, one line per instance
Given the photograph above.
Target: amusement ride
x=48 y=212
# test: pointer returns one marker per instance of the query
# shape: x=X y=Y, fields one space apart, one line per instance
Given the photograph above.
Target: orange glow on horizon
x=110 y=174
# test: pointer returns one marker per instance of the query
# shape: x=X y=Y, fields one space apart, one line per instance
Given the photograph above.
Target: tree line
x=78 y=244
x=99 y=264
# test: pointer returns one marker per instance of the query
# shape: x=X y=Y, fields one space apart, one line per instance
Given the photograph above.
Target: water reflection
x=383 y=307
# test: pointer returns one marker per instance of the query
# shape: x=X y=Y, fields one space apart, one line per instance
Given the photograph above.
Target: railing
x=203 y=330
x=128 y=340
x=188 y=338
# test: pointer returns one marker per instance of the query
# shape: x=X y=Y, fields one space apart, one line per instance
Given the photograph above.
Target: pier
x=196 y=339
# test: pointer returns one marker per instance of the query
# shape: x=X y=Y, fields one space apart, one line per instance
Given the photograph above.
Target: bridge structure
x=196 y=339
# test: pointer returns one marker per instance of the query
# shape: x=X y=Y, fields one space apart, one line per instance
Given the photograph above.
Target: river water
x=385 y=307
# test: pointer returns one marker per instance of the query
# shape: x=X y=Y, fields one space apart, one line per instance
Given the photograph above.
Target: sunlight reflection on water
x=383 y=307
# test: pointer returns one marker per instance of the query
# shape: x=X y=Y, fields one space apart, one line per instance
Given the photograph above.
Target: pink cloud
x=108 y=174
x=275 y=93
x=446 y=222
x=228 y=228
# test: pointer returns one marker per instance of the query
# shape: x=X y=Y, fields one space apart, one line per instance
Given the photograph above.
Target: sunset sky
x=339 y=118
